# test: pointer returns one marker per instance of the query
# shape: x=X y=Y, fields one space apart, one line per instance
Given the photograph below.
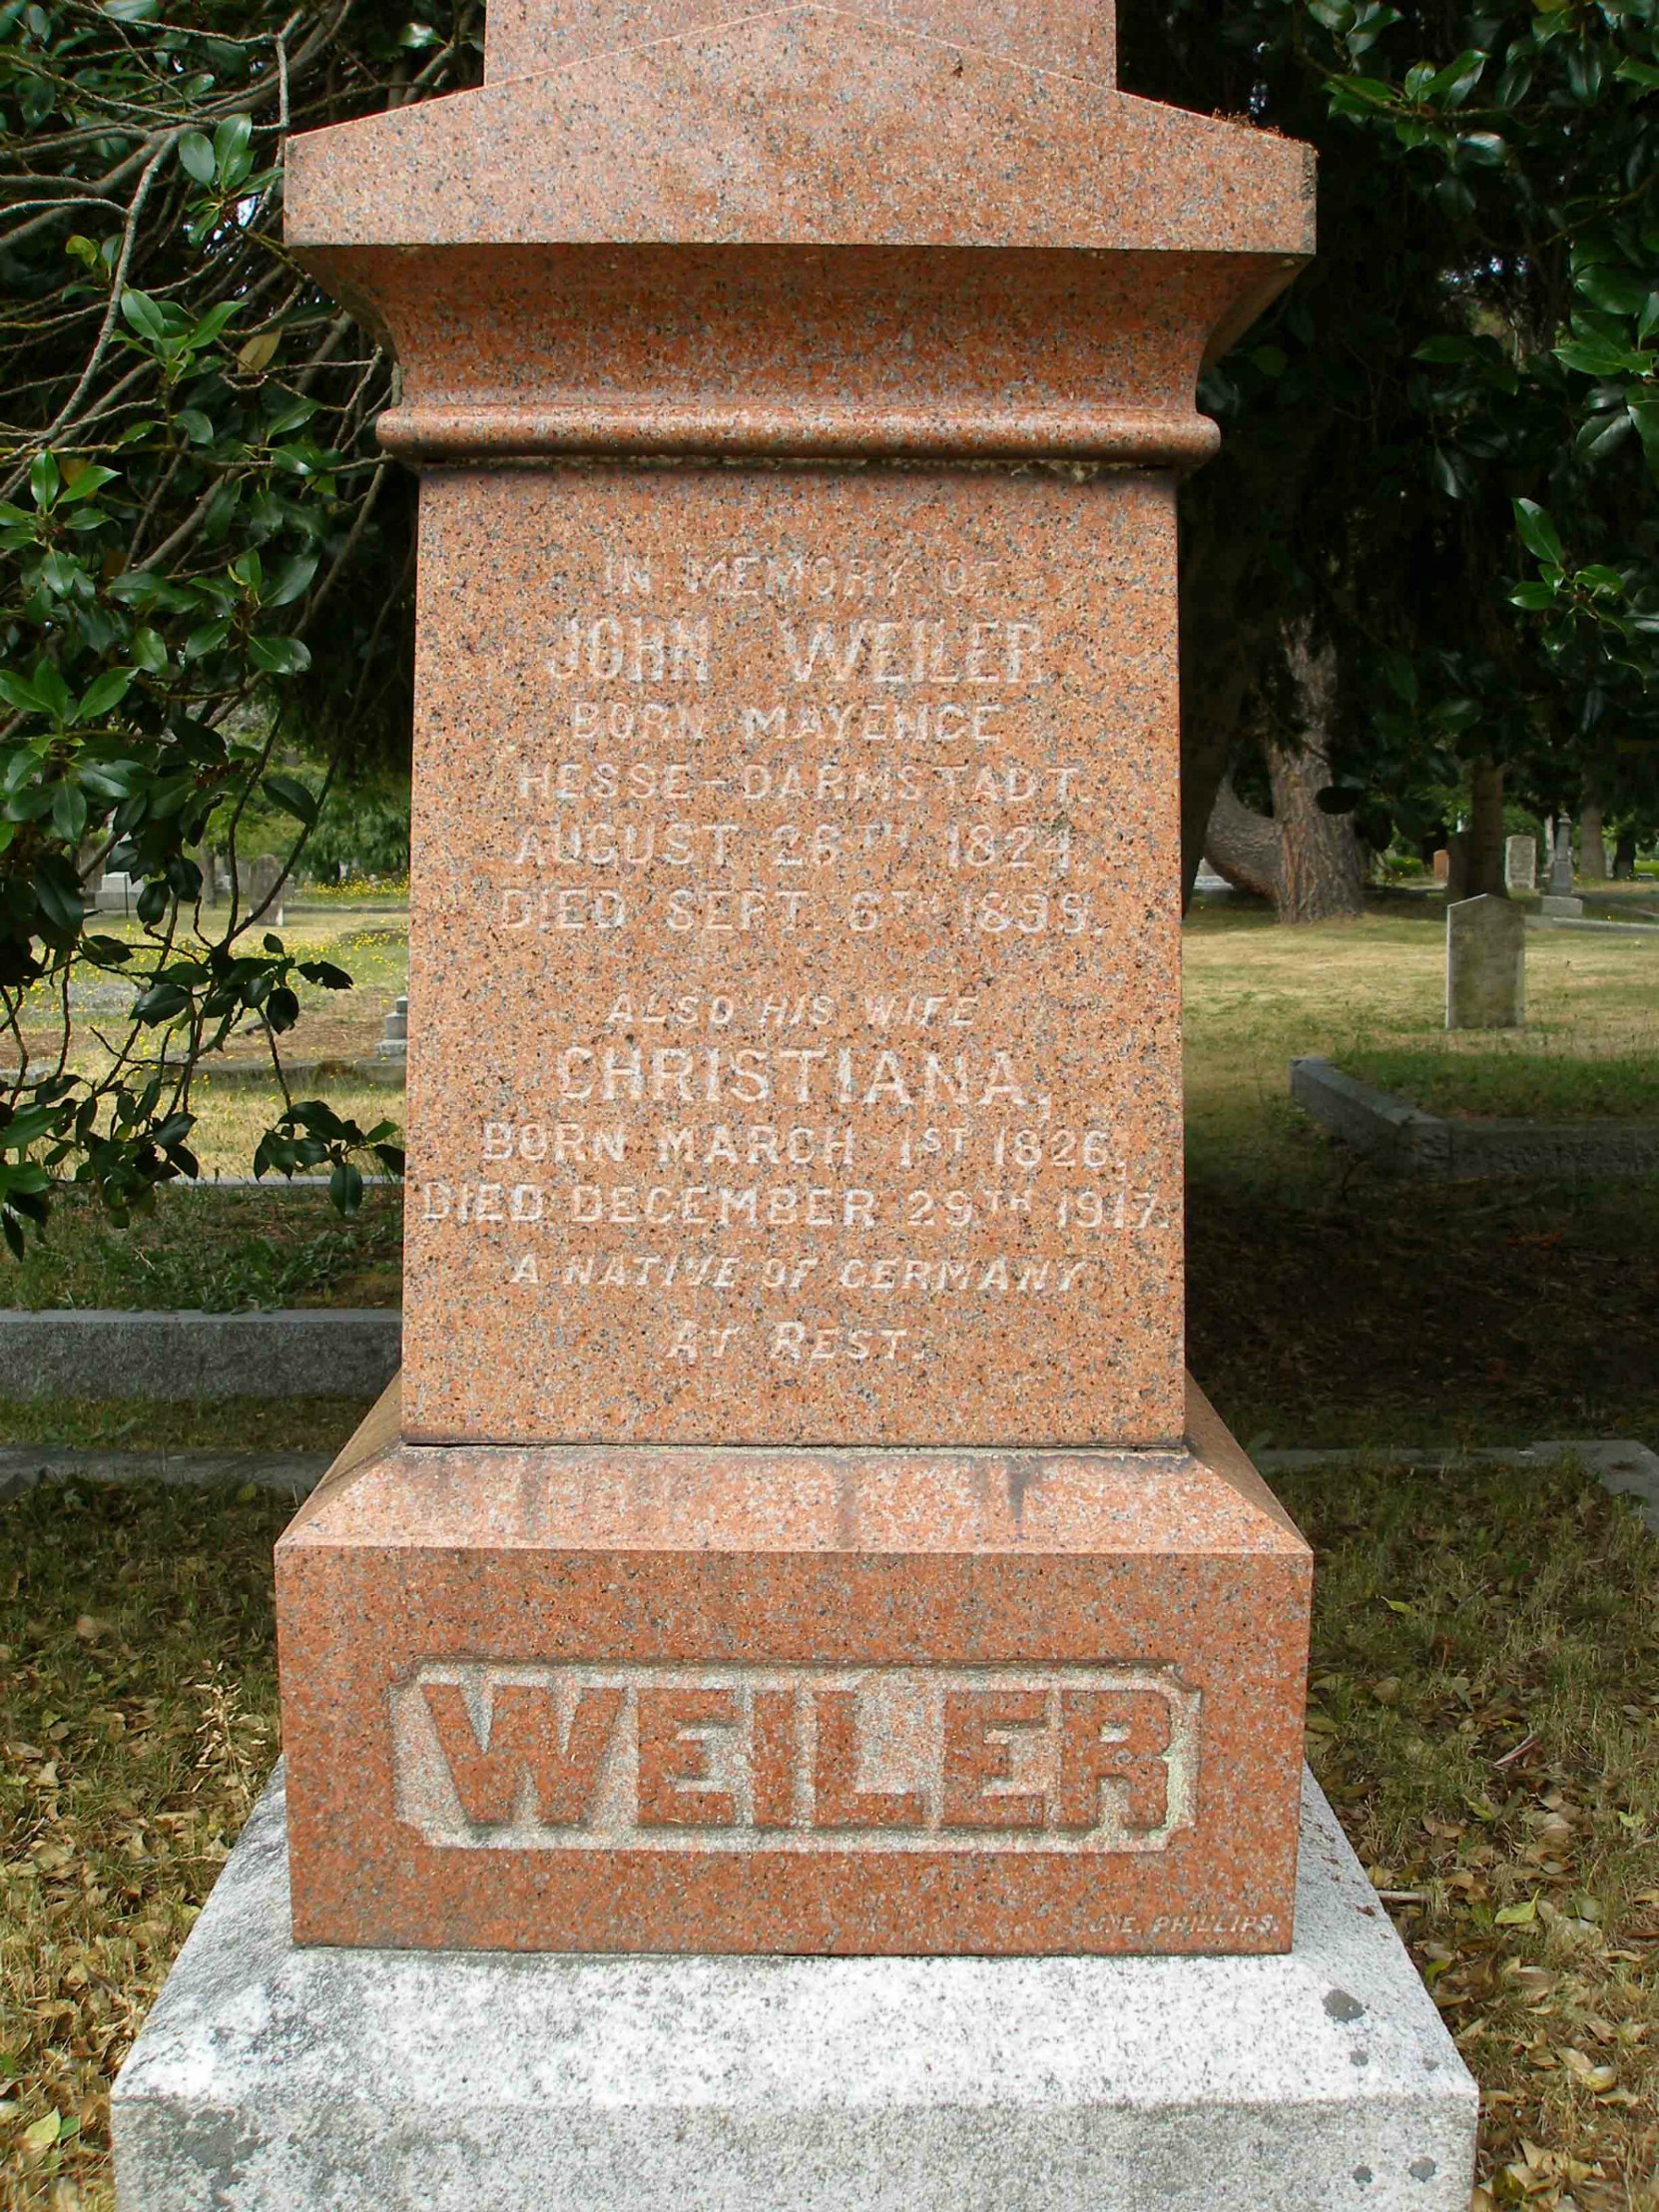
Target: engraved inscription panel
x=797 y=1759
x=794 y=1002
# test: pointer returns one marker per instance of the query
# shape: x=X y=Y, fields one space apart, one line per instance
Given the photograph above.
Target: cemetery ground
x=1485 y=1703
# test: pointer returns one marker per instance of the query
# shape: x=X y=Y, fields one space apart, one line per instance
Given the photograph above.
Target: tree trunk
x=1478 y=852
x=1592 y=843
x=1215 y=663
x=1624 y=857
x=1306 y=861
x=1243 y=846
x=1321 y=874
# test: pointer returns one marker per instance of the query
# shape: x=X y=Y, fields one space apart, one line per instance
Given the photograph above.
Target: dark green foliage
x=1443 y=445
x=204 y=560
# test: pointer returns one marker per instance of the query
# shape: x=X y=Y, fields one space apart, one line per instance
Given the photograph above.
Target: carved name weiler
x=1068 y=1759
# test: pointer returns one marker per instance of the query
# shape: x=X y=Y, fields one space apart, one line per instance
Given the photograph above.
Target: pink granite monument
x=797 y=1534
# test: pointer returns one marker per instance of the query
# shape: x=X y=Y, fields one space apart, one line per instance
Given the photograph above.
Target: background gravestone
x=1561 y=898
x=1520 y=864
x=1486 y=964
x=256 y=880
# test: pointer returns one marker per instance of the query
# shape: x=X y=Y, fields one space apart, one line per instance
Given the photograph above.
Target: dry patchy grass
x=138 y=1719
x=1484 y=1713
x=1258 y=994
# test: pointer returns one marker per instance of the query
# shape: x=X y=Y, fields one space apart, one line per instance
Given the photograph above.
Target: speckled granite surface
x=797 y=1065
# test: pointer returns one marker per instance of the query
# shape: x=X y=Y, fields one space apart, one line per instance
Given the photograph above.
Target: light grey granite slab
x=96 y=1353
x=274 y=2079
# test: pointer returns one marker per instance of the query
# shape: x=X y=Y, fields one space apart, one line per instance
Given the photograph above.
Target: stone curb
x=27 y=1466
x=1594 y=928
x=100 y=1353
x=1619 y=1464
x=1404 y=1140
x=384 y=1073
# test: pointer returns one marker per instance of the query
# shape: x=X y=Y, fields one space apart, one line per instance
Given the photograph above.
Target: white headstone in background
x=256 y=880
x=1520 y=864
x=1486 y=964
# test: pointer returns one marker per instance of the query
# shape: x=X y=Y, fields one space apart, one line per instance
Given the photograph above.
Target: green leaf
x=1535 y=598
x=1538 y=533
x=149 y=652
x=144 y=314
x=161 y=1002
x=1451 y=86
x=280 y=657
x=296 y=411
x=232 y=156
x=345 y=1186
x=85 y=478
x=103 y=693
x=326 y=975
x=1450 y=472
x=52 y=691
x=195 y=425
x=212 y=324
x=69 y=813
x=20 y=693
x=1614 y=291
x=196 y=157
x=44 y=479
x=58 y=894
x=293 y=796
x=293 y=582
x=208 y=639
x=1599 y=357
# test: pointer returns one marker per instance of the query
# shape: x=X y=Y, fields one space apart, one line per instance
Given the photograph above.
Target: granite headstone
x=1561 y=900
x=797 y=1532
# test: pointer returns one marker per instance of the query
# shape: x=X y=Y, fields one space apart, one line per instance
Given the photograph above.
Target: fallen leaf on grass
x=38 y=2138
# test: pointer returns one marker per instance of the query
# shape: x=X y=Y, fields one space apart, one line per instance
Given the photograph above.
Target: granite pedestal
x=275 y=2078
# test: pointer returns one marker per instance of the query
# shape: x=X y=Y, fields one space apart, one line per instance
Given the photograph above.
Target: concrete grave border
x=95 y=1352
x=1404 y=1140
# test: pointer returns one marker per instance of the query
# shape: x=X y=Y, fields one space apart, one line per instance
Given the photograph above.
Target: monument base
x=274 y=2078
x=1561 y=906
x=641 y=1700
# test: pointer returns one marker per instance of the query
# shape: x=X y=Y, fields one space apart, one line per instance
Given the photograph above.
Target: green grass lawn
x=222 y=1251
x=1528 y=1081
x=1330 y=1305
